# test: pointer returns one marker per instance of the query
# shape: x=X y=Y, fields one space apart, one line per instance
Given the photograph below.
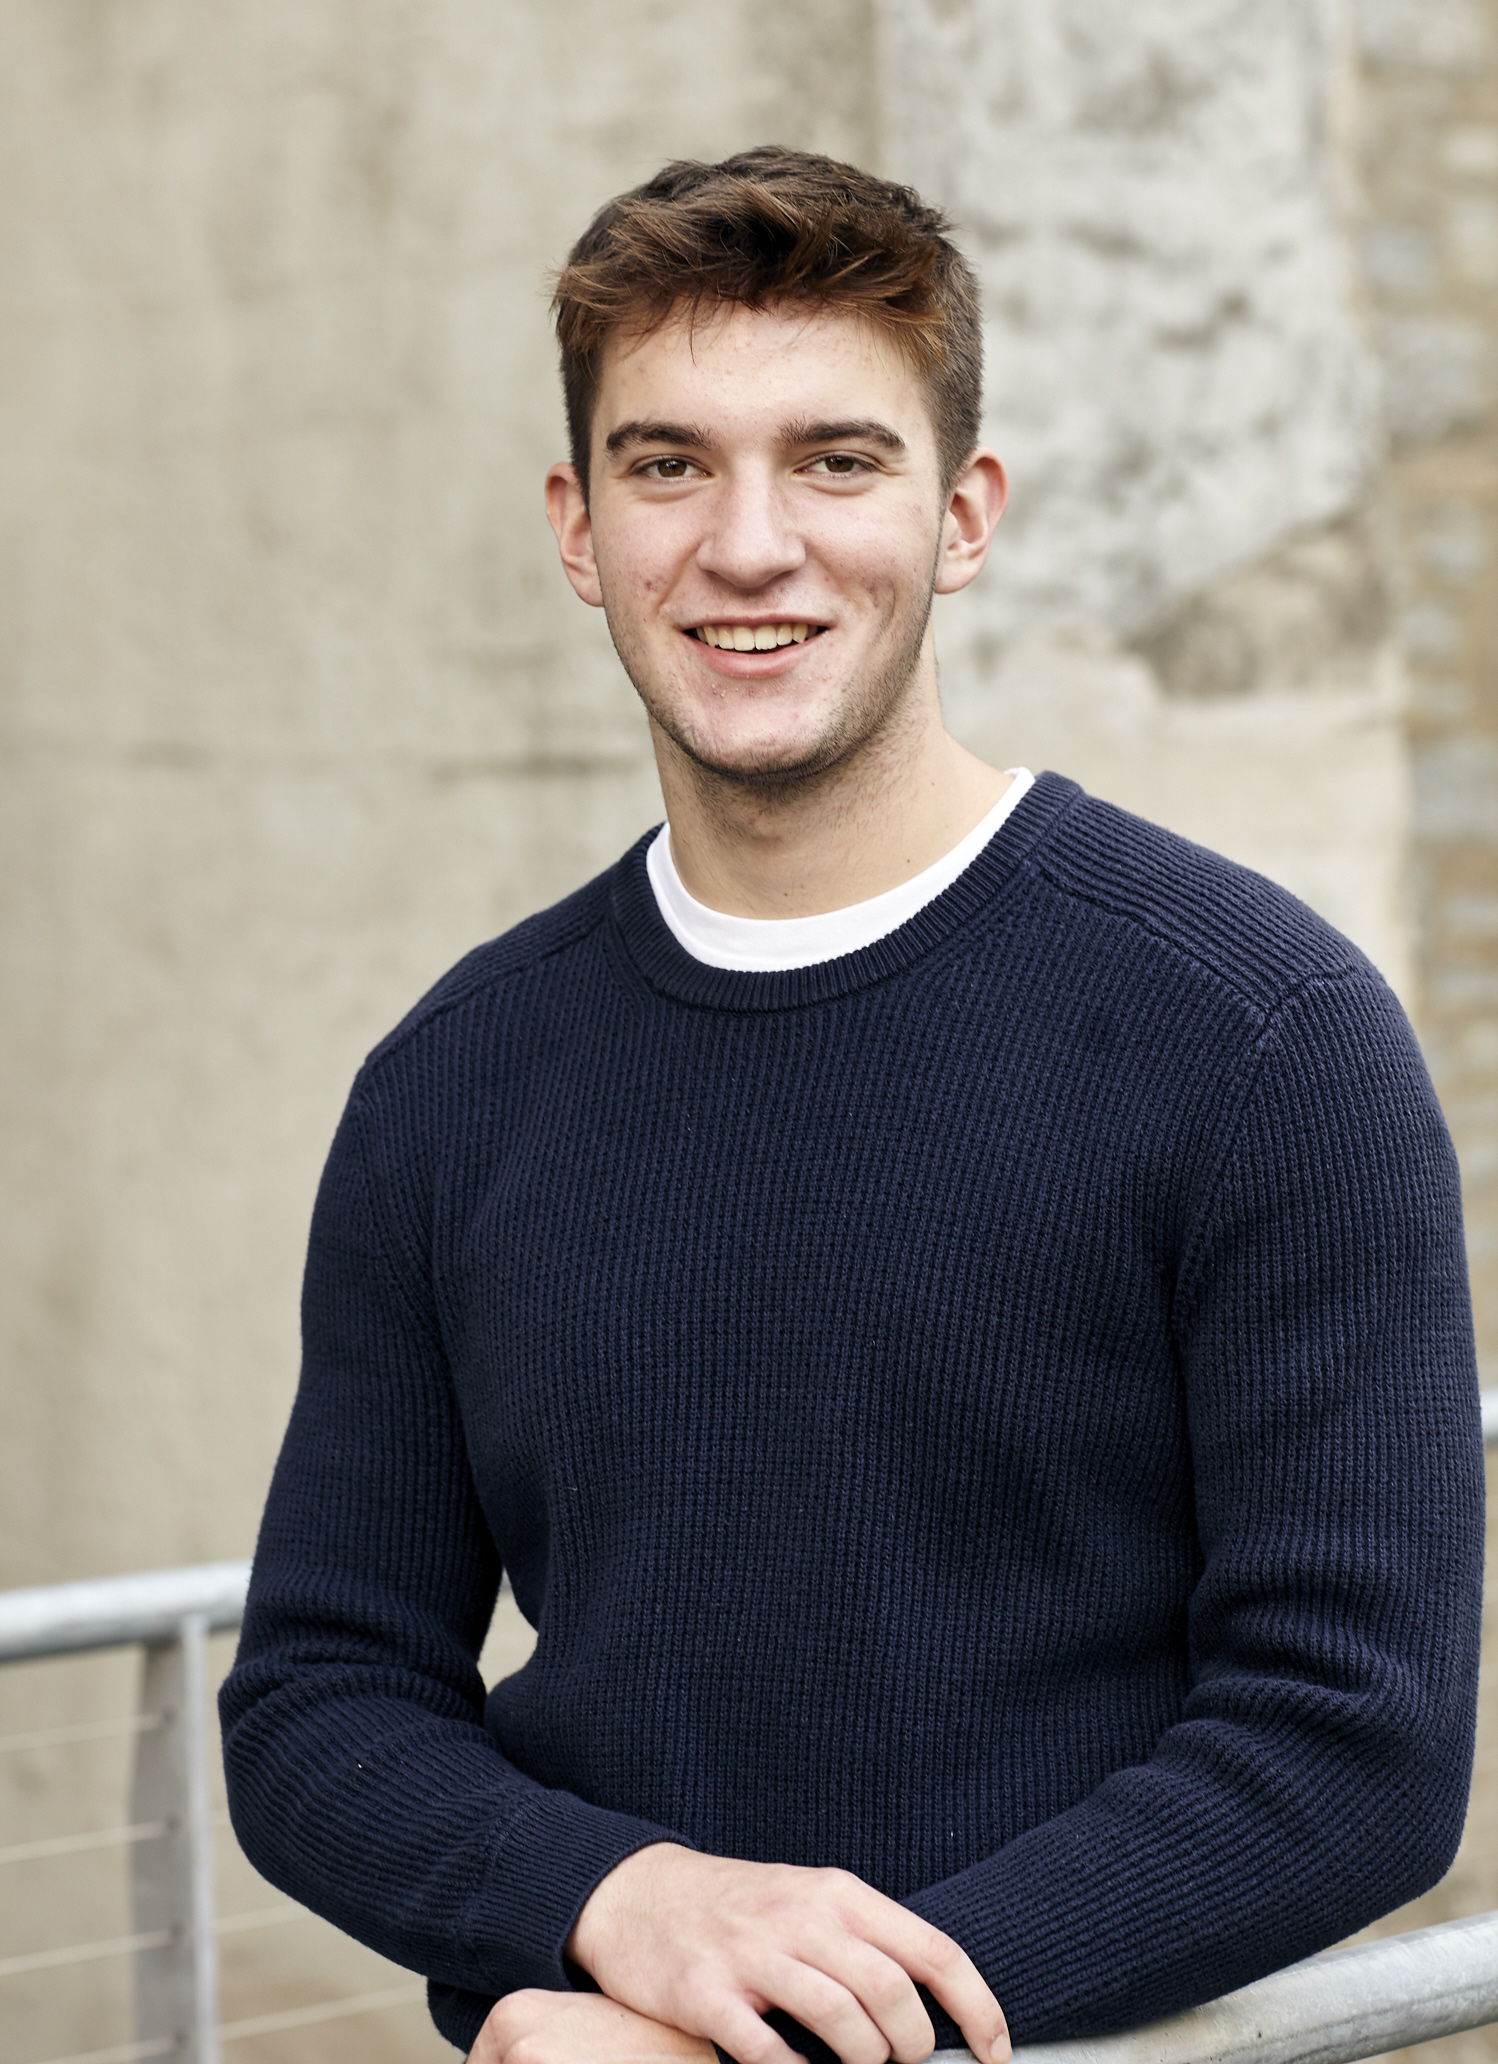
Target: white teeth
x=756 y=638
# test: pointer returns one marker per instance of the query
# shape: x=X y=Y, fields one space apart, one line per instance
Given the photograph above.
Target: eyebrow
x=629 y=434
x=868 y=429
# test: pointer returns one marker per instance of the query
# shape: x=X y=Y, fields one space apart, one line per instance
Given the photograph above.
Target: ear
x=567 y=513
x=979 y=498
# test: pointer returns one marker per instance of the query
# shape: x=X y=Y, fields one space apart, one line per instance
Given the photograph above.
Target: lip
x=751 y=666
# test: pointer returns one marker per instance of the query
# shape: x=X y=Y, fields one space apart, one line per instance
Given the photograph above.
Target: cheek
x=637 y=567
x=895 y=584
x=892 y=562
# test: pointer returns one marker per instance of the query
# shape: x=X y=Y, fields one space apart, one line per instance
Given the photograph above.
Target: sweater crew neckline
x=666 y=965
x=766 y=943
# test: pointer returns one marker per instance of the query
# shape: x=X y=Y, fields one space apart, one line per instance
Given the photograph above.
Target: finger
x=985 y=2039
x=956 y=1982
x=821 y=2003
x=881 y=1987
x=946 y=1970
x=736 y=2028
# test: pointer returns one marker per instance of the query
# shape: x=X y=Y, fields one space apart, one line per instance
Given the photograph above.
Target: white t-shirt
x=751 y=944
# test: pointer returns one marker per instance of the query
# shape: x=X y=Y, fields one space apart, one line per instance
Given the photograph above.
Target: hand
x=534 y=2027
x=709 y=1944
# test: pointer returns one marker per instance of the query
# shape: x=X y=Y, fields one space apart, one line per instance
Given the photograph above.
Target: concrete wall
x=296 y=705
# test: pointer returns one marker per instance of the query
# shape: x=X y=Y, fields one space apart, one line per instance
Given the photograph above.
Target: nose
x=751 y=540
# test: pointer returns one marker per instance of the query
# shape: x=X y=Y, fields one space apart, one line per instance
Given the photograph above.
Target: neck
x=818 y=843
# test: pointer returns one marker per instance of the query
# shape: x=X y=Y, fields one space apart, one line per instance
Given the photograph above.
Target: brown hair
x=773 y=225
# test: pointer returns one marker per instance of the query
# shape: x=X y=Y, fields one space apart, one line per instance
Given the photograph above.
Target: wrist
x=610 y=1902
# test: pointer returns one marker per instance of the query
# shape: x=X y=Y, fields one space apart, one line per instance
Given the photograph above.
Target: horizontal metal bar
x=83 y=1730
x=1344 y=2004
x=122 y=2053
x=83 y=1953
x=114 y=1612
x=96 y=1838
x=1490 y=1416
x=110 y=1612
x=325 y=2010
x=262 y=1917
x=133 y=1945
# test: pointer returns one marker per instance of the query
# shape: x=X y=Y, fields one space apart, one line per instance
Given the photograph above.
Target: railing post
x=171 y=1880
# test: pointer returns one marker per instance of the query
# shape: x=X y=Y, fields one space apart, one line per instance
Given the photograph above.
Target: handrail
x=1343 y=2004
x=115 y=1612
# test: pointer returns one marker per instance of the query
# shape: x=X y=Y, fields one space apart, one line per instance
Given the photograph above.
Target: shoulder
x=1185 y=907
x=501 y=967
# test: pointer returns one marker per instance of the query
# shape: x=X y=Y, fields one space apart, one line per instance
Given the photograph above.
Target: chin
x=760 y=760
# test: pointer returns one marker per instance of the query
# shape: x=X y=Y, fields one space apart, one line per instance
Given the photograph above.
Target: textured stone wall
x=1176 y=365
x=1186 y=608
x=1429 y=238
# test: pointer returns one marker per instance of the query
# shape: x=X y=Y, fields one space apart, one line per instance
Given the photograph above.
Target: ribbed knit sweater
x=995 y=1412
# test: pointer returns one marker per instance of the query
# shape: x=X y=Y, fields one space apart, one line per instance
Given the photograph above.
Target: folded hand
x=711 y=1944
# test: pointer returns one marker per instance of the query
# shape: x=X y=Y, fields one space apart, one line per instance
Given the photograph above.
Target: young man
x=947 y=1302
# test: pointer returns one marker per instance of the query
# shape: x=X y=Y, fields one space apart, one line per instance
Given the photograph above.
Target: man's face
x=771 y=480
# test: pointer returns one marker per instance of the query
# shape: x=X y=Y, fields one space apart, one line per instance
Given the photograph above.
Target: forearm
x=571 y=2028
x=1189 y=1876
x=410 y=1831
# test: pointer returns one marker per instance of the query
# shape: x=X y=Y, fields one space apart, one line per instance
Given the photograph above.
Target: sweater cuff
x=541 y=1875
x=457 y=2014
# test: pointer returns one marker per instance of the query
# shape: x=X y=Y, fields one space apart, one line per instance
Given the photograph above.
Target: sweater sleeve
x=361 y=1779
x=1318 y=1774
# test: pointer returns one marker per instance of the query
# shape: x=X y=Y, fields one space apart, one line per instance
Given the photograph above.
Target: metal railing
x=170 y=1833
x=1341 y=2005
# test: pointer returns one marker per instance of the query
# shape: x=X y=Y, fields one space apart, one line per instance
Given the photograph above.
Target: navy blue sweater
x=995 y=1412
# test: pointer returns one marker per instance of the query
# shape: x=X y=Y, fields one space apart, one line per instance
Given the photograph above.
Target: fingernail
x=1001 y=2052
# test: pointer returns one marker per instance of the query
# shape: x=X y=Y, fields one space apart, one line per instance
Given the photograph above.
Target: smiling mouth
x=754 y=637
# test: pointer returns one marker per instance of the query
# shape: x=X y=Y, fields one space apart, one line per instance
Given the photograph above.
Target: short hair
x=768 y=226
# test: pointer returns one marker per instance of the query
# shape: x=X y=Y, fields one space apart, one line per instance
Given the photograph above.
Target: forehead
x=742 y=371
